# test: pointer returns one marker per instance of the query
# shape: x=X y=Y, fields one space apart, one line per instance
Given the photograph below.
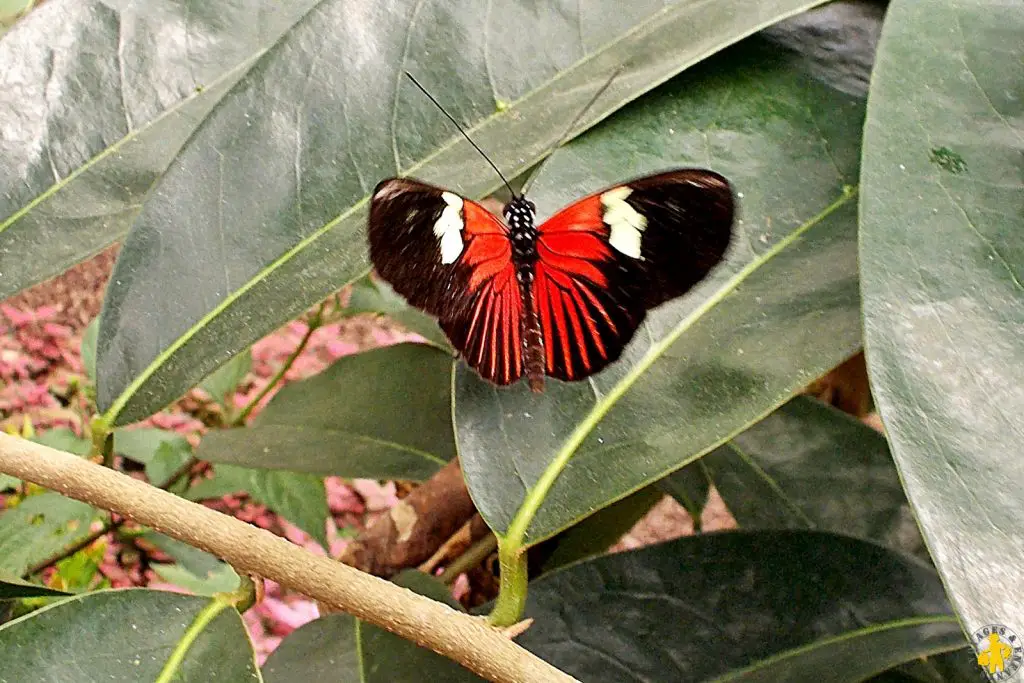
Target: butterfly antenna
x=565 y=136
x=464 y=133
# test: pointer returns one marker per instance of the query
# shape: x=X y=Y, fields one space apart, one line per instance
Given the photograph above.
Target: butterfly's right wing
x=452 y=258
x=605 y=260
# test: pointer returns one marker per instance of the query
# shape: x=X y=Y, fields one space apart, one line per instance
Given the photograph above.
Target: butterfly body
x=558 y=299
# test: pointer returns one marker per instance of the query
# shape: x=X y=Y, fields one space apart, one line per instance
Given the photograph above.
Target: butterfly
x=559 y=299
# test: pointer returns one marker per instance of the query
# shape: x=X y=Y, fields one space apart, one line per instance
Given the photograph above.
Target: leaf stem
x=473 y=556
x=512 y=586
x=171 y=667
x=315 y=321
x=512 y=546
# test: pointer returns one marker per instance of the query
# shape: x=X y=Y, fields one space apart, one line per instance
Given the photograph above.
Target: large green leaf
x=40 y=527
x=752 y=606
x=781 y=310
x=128 y=636
x=339 y=647
x=382 y=414
x=942 y=261
x=810 y=466
x=262 y=213
x=97 y=99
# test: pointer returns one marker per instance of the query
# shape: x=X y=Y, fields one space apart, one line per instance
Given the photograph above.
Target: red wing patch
x=585 y=319
x=489 y=332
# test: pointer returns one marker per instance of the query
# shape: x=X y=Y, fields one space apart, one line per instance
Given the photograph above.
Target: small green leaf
x=221 y=384
x=750 y=606
x=299 y=498
x=41 y=526
x=942 y=274
x=373 y=295
x=381 y=414
x=63 y=439
x=810 y=466
x=339 y=647
x=126 y=636
x=223 y=579
x=196 y=561
x=87 y=349
x=11 y=587
x=690 y=487
x=162 y=452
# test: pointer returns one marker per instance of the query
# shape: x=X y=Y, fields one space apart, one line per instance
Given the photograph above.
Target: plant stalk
x=313 y=325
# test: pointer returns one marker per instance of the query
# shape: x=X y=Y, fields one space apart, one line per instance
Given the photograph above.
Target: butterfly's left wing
x=452 y=258
x=603 y=261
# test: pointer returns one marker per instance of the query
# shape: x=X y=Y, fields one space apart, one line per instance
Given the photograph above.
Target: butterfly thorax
x=522 y=227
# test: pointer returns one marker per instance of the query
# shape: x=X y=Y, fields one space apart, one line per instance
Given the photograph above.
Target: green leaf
x=594 y=535
x=103 y=117
x=760 y=606
x=223 y=579
x=11 y=587
x=338 y=647
x=690 y=487
x=162 y=452
x=942 y=266
x=263 y=212
x=222 y=383
x=8 y=483
x=780 y=311
x=299 y=498
x=958 y=666
x=87 y=349
x=193 y=559
x=373 y=295
x=39 y=527
x=810 y=466
x=63 y=439
x=11 y=10
x=381 y=414
x=126 y=636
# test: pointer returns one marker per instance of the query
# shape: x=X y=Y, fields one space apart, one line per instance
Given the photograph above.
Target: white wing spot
x=626 y=223
x=448 y=227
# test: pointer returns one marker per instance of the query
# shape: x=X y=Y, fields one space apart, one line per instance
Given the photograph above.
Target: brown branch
x=466 y=639
x=415 y=528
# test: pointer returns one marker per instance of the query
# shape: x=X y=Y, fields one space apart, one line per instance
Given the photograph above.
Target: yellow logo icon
x=1000 y=651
